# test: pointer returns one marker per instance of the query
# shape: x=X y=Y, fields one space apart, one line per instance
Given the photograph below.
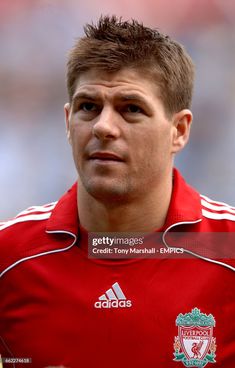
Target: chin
x=112 y=192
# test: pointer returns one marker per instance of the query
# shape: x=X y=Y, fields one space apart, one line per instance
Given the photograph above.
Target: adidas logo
x=113 y=298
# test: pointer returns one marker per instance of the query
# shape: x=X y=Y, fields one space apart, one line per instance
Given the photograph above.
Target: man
x=130 y=90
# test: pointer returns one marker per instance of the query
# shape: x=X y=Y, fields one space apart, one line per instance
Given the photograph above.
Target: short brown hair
x=113 y=44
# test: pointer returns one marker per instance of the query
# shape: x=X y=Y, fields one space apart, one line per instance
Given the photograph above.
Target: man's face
x=122 y=140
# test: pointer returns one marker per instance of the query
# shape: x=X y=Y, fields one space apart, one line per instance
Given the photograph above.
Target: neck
x=147 y=213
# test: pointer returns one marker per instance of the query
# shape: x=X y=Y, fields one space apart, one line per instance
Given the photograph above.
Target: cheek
x=79 y=137
x=77 y=147
x=152 y=151
x=154 y=142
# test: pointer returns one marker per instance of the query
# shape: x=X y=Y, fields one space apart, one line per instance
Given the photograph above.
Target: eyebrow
x=133 y=97
x=84 y=96
x=123 y=96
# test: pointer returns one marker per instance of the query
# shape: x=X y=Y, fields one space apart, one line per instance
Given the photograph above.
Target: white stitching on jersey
x=188 y=251
x=44 y=253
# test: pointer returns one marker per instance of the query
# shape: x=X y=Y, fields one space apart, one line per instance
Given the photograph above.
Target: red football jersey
x=59 y=307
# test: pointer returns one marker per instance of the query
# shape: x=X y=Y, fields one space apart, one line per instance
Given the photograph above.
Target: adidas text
x=113 y=304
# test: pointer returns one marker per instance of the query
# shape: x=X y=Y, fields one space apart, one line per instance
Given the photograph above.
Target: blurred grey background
x=36 y=165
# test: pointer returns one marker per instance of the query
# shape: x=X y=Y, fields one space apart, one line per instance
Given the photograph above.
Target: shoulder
x=31 y=217
x=23 y=235
x=218 y=213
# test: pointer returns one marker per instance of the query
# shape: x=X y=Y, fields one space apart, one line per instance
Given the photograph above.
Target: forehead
x=121 y=83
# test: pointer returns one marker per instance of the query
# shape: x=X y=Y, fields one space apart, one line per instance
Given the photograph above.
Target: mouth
x=105 y=157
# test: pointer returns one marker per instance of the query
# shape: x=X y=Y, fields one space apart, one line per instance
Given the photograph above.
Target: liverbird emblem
x=195 y=345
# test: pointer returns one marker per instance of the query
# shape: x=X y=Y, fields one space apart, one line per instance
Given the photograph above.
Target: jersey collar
x=185 y=207
x=185 y=204
x=64 y=217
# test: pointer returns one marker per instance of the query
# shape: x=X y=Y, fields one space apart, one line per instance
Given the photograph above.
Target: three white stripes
x=210 y=206
x=30 y=215
x=114 y=293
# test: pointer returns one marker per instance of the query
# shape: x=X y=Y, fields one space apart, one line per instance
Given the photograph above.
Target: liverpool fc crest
x=195 y=345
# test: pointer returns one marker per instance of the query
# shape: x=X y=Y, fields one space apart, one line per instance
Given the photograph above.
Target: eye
x=88 y=106
x=134 y=109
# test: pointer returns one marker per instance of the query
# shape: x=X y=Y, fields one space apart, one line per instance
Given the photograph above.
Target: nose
x=106 y=125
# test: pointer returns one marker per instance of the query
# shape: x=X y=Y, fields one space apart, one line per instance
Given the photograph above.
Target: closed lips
x=105 y=156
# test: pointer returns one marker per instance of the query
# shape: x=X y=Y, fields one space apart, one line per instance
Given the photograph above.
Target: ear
x=67 y=124
x=181 y=129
